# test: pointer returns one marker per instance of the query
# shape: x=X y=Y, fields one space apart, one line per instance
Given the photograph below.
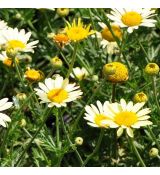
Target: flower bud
x=56 y=62
x=115 y=72
x=78 y=140
x=140 y=97
x=22 y=123
x=95 y=78
x=63 y=11
x=21 y=96
x=152 y=69
x=153 y=152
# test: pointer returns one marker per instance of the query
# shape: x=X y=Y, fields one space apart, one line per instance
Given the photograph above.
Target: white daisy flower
x=3 y=25
x=132 y=18
x=17 y=40
x=110 y=47
x=4 y=104
x=127 y=116
x=96 y=115
x=57 y=92
x=80 y=73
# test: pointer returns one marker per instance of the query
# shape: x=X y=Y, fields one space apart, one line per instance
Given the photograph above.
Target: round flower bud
x=115 y=72
x=18 y=16
x=153 y=152
x=107 y=35
x=63 y=11
x=33 y=75
x=22 y=123
x=140 y=97
x=95 y=78
x=151 y=69
x=21 y=96
x=109 y=69
x=56 y=62
x=78 y=140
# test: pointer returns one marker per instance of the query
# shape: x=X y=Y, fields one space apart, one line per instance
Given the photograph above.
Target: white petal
x=5 y=117
x=130 y=132
x=7 y=105
x=119 y=132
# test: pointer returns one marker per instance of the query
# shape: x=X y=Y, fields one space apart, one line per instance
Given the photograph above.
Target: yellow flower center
x=107 y=35
x=57 y=95
x=15 y=44
x=126 y=118
x=131 y=18
x=33 y=75
x=98 y=119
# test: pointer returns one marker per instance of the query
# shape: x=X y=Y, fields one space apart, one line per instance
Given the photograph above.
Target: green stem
x=43 y=153
x=29 y=144
x=154 y=137
x=98 y=143
x=70 y=142
x=72 y=60
x=18 y=72
x=136 y=152
x=89 y=100
x=90 y=15
x=155 y=93
x=10 y=125
x=57 y=131
x=113 y=92
x=144 y=51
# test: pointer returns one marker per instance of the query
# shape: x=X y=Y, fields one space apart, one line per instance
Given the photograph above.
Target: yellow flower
x=107 y=35
x=140 y=97
x=152 y=69
x=115 y=72
x=77 y=31
x=61 y=39
x=63 y=11
x=34 y=75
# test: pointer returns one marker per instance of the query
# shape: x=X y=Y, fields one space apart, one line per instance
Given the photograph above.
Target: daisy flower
x=78 y=31
x=57 y=92
x=4 y=104
x=133 y=18
x=111 y=47
x=80 y=73
x=17 y=40
x=96 y=115
x=127 y=116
